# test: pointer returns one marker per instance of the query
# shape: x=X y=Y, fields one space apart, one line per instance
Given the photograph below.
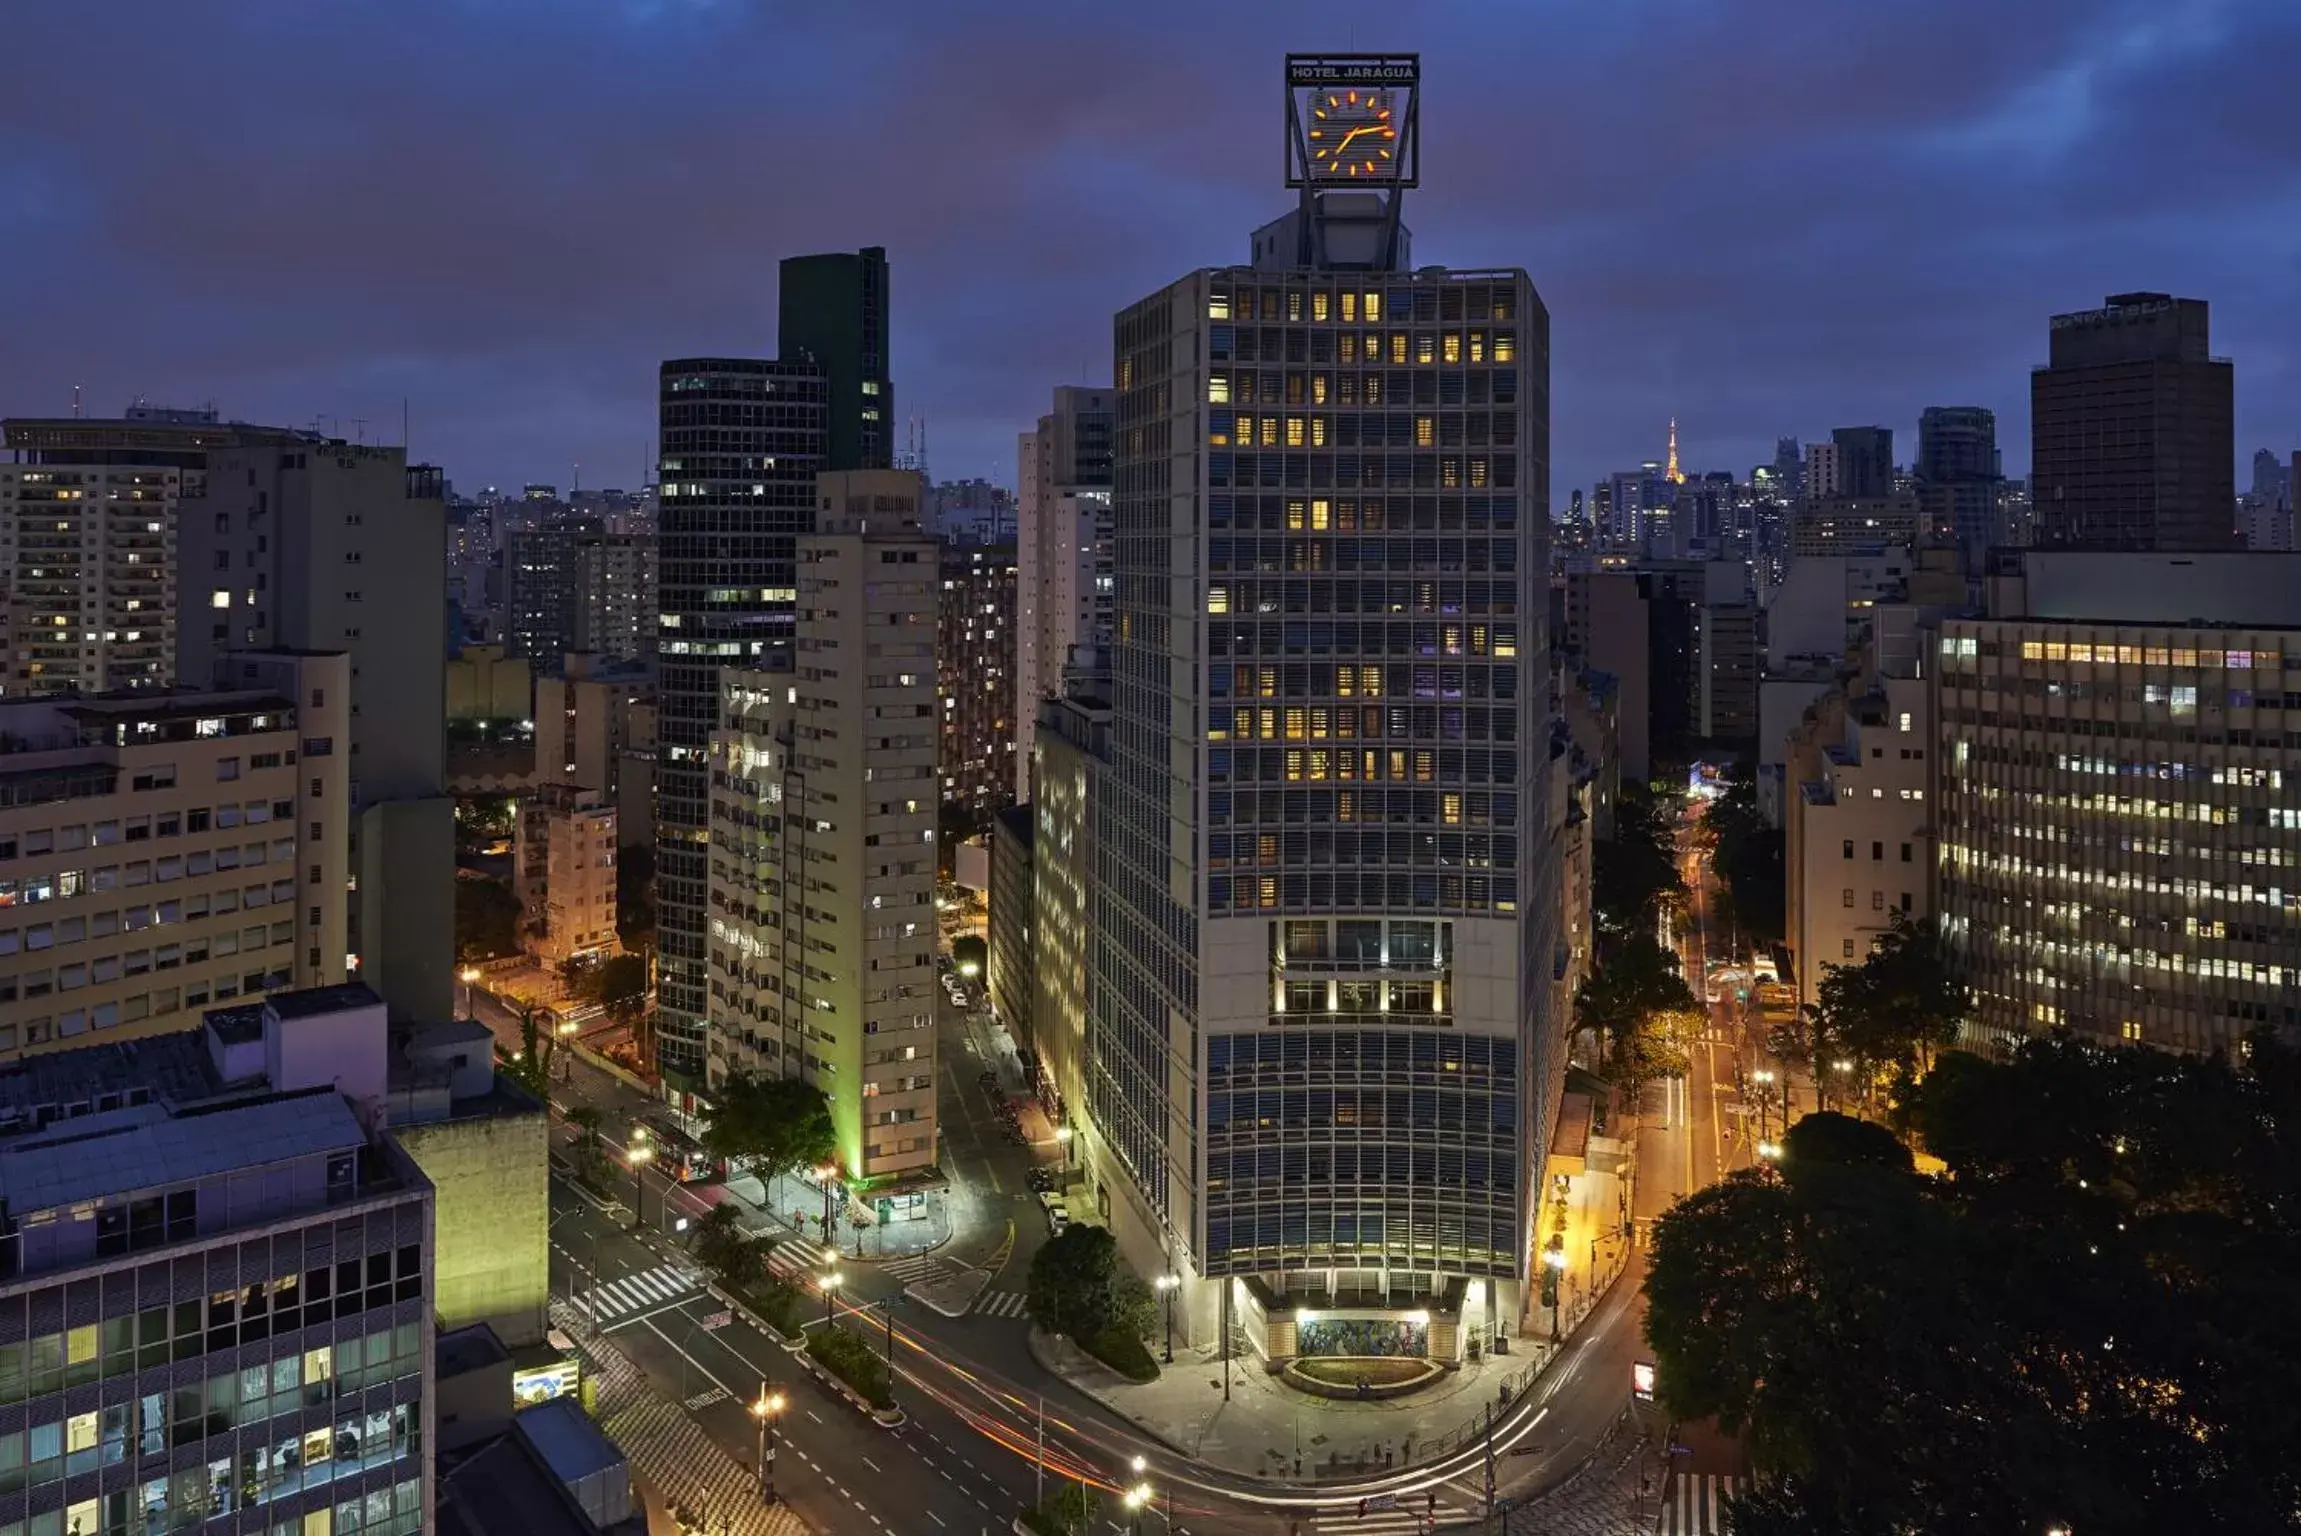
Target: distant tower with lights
x=1672 y=472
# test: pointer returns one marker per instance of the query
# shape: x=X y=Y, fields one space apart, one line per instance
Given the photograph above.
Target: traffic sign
x=1642 y=1380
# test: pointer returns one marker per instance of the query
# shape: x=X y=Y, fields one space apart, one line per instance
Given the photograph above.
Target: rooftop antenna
x=360 y=430
x=75 y=401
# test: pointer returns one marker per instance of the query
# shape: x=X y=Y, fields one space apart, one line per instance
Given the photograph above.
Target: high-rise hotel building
x=1321 y=1054
x=2118 y=794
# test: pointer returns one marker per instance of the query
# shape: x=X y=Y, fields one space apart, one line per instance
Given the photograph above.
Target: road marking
x=868 y=1462
x=938 y=1519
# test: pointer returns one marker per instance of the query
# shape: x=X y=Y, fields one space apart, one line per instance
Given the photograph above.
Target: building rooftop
x=503 y=1488
x=468 y=1349
x=570 y=1444
x=143 y=1146
x=316 y=1000
x=172 y=1067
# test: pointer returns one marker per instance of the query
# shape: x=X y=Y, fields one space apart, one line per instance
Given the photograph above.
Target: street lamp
x=1139 y=1496
x=831 y=1279
x=1066 y=1136
x=1771 y=1151
x=1167 y=1284
x=467 y=976
x=1556 y=1259
x=826 y=1176
x=1764 y=1077
x=639 y=1154
x=769 y=1406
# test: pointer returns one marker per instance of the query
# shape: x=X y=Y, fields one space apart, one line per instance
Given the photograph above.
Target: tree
x=722 y=1248
x=1073 y=1286
x=621 y=983
x=486 y=918
x=772 y=1125
x=1635 y=870
x=1638 y=1004
x=970 y=949
x=1896 y=1008
x=1749 y=858
x=2086 y=1321
x=590 y=1161
x=532 y=1070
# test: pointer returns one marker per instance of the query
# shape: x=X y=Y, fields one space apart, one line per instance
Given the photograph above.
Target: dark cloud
x=1760 y=216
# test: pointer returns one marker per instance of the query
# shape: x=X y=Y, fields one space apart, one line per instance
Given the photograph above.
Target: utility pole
x=1226 y=1339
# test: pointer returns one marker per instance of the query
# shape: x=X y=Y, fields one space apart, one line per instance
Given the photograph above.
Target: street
x=968 y=1455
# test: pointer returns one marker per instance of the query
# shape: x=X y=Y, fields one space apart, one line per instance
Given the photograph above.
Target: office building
x=160 y=852
x=2132 y=435
x=825 y=763
x=834 y=310
x=218 y=1292
x=1849 y=525
x=88 y=563
x=489 y=692
x=2116 y=780
x=1958 y=477
x=975 y=660
x=1865 y=461
x=1726 y=677
x=1323 y=1049
x=1789 y=468
x=1063 y=553
x=742 y=443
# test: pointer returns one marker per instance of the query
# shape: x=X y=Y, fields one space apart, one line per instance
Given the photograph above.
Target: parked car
x=1058 y=1211
x=1044 y=1180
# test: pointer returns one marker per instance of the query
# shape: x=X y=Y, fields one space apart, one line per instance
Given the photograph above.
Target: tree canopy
x=1074 y=1282
x=1748 y=858
x=1641 y=1009
x=2086 y=1321
x=1635 y=870
x=486 y=918
x=1895 y=1009
x=770 y=1125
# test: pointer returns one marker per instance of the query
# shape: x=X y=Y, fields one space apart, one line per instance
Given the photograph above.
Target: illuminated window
x=1398 y=346
x=1294 y=432
x=1477 y=472
x=1297 y=722
x=1905 y=721
x=1373 y=390
x=1268 y=720
x=1319 y=766
x=220 y=598
x=1268 y=684
x=1270 y=431
x=1478 y=346
x=1294 y=305
x=1450 y=808
x=1453 y=347
x=1373 y=308
x=1349 y=308
x=1505 y=347
x=1294 y=516
x=1425 y=349
x=1319 y=517
x=1218 y=388
x=1425 y=766
x=1246 y=431
x=1294 y=767
x=1218 y=306
x=1318 y=303
x=1218 y=599
x=1505 y=641
x=1318 y=431
x=1318 y=389
x=1425 y=432
x=1450 y=472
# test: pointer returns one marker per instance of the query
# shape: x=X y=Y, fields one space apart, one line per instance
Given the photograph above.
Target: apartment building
x=975 y=660
x=162 y=852
x=822 y=853
x=88 y=562
x=564 y=861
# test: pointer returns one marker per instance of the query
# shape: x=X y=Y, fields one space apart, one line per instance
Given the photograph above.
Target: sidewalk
x=1269 y=1430
x=670 y=1454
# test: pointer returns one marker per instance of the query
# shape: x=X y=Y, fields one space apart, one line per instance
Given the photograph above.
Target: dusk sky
x=1760 y=216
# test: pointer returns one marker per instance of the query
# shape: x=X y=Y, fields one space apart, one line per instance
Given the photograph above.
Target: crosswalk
x=1694 y=1504
x=797 y=1261
x=918 y=1269
x=1001 y=1304
x=1412 y=1515
x=641 y=1292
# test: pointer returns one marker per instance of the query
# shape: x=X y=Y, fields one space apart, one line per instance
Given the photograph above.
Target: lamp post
x=1066 y=1136
x=765 y=1410
x=467 y=976
x=1764 y=1077
x=827 y=1175
x=639 y=1154
x=1138 y=1497
x=831 y=1279
x=1168 y=1284
x=1556 y=1259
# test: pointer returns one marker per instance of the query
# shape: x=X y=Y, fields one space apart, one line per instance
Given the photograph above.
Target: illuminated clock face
x=1353 y=136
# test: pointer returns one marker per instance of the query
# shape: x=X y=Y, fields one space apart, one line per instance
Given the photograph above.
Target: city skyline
x=500 y=263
